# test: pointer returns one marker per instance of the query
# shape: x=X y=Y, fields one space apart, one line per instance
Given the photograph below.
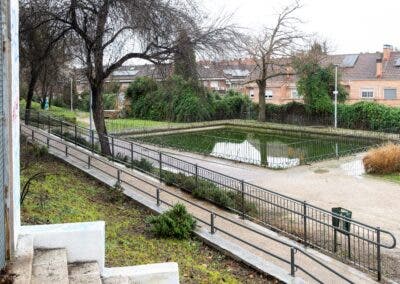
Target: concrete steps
x=85 y=272
x=48 y=266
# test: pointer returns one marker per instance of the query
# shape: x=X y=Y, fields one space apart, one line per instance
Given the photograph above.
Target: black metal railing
x=359 y=245
x=122 y=177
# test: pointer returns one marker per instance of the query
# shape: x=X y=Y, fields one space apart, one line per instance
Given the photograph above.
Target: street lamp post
x=72 y=100
x=91 y=111
x=335 y=92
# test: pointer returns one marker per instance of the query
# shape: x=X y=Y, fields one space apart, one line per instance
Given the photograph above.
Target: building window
x=214 y=85
x=390 y=93
x=295 y=94
x=268 y=94
x=367 y=93
x=251 y=92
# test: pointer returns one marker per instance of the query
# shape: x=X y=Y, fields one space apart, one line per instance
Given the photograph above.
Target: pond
x=268 y=148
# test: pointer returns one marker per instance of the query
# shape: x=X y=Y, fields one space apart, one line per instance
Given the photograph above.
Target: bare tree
x=40 y=39
x=272 y=51
x=111 y=32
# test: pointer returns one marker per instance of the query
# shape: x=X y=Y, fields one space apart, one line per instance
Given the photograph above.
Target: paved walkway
x=135 y=182
x=332 y=183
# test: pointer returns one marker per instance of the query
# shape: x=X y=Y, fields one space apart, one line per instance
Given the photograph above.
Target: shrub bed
x=383 y=160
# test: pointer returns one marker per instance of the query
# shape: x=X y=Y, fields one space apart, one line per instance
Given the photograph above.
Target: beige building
x=366 y=76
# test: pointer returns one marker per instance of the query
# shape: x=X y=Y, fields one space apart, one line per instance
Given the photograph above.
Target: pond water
x=266 y=148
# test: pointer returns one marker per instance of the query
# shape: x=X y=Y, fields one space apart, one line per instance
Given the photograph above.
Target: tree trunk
x=262 y=84
x=29 y=97
x=99 y=122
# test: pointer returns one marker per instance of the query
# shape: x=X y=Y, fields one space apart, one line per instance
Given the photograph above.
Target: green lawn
x=392 y=177
x=68 y=195
x=131 y=123
x=60 y=112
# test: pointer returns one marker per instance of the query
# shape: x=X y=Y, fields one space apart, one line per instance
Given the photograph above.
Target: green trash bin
x=339 y=223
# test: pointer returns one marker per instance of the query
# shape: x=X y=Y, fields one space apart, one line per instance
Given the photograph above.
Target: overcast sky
x=350 y=26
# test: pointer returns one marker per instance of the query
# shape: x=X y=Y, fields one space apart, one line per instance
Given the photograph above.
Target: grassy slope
x=69 y=196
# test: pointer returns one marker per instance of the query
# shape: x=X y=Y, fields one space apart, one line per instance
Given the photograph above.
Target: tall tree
x=272 y=51
x=111 y=32
x=185 y=59
x=40 y=43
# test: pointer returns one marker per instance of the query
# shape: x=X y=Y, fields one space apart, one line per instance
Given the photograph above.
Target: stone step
x=50 y=266
x=84 y=273
x=21 y=266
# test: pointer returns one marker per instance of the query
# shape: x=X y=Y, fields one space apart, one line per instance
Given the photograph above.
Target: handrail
x=291 y=262
x=225 y=182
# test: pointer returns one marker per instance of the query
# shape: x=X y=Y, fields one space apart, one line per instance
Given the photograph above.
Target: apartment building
x=366 y=76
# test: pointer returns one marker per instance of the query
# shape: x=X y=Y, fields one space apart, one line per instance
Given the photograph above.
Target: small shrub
x=210 y=192
x=175 y=223
x=142 y=164
x=39 y=151
x=383 y=160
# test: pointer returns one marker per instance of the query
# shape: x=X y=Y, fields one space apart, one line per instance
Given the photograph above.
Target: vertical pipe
x=292 y=262
x=378 y=253
x=305 y=222
x=119 y=176
x=66 y=150
x=48 y=142
x=336 y=93
x=89 y=162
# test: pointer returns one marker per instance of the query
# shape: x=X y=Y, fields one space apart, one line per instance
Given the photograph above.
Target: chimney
x=379 y=68
x=387 y=49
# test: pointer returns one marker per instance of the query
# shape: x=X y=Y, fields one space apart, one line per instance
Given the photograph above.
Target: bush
x=182 y=101
x=174 y=223
x=383 y=160
x=142 y=164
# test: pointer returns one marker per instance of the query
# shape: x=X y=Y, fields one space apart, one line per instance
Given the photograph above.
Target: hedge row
x=362 y=115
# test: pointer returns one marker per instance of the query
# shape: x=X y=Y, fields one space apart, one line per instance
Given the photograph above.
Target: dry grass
x=383 y=160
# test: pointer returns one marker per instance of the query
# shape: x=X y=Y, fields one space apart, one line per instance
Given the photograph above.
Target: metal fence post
x=112 y=146
x=75 y=134
x=196 y=167
x=61 y=129
x=119 y=176
x=33 y=135
x=38 y=119
x=160 y=166
x=48 y=142
x=158 y=197
x=131 y=154
x=305 y=222
x=212 y=223
x=49 y=121
x=378 y=254
x=89 y=162
x=66 y=150
x=92 y=139
x=292 y=262
x=243 y=201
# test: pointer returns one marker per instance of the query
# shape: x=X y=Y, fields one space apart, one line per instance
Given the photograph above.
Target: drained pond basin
x=263 y=147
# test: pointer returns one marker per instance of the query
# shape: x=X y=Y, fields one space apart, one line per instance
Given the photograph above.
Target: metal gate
x=2 y=144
